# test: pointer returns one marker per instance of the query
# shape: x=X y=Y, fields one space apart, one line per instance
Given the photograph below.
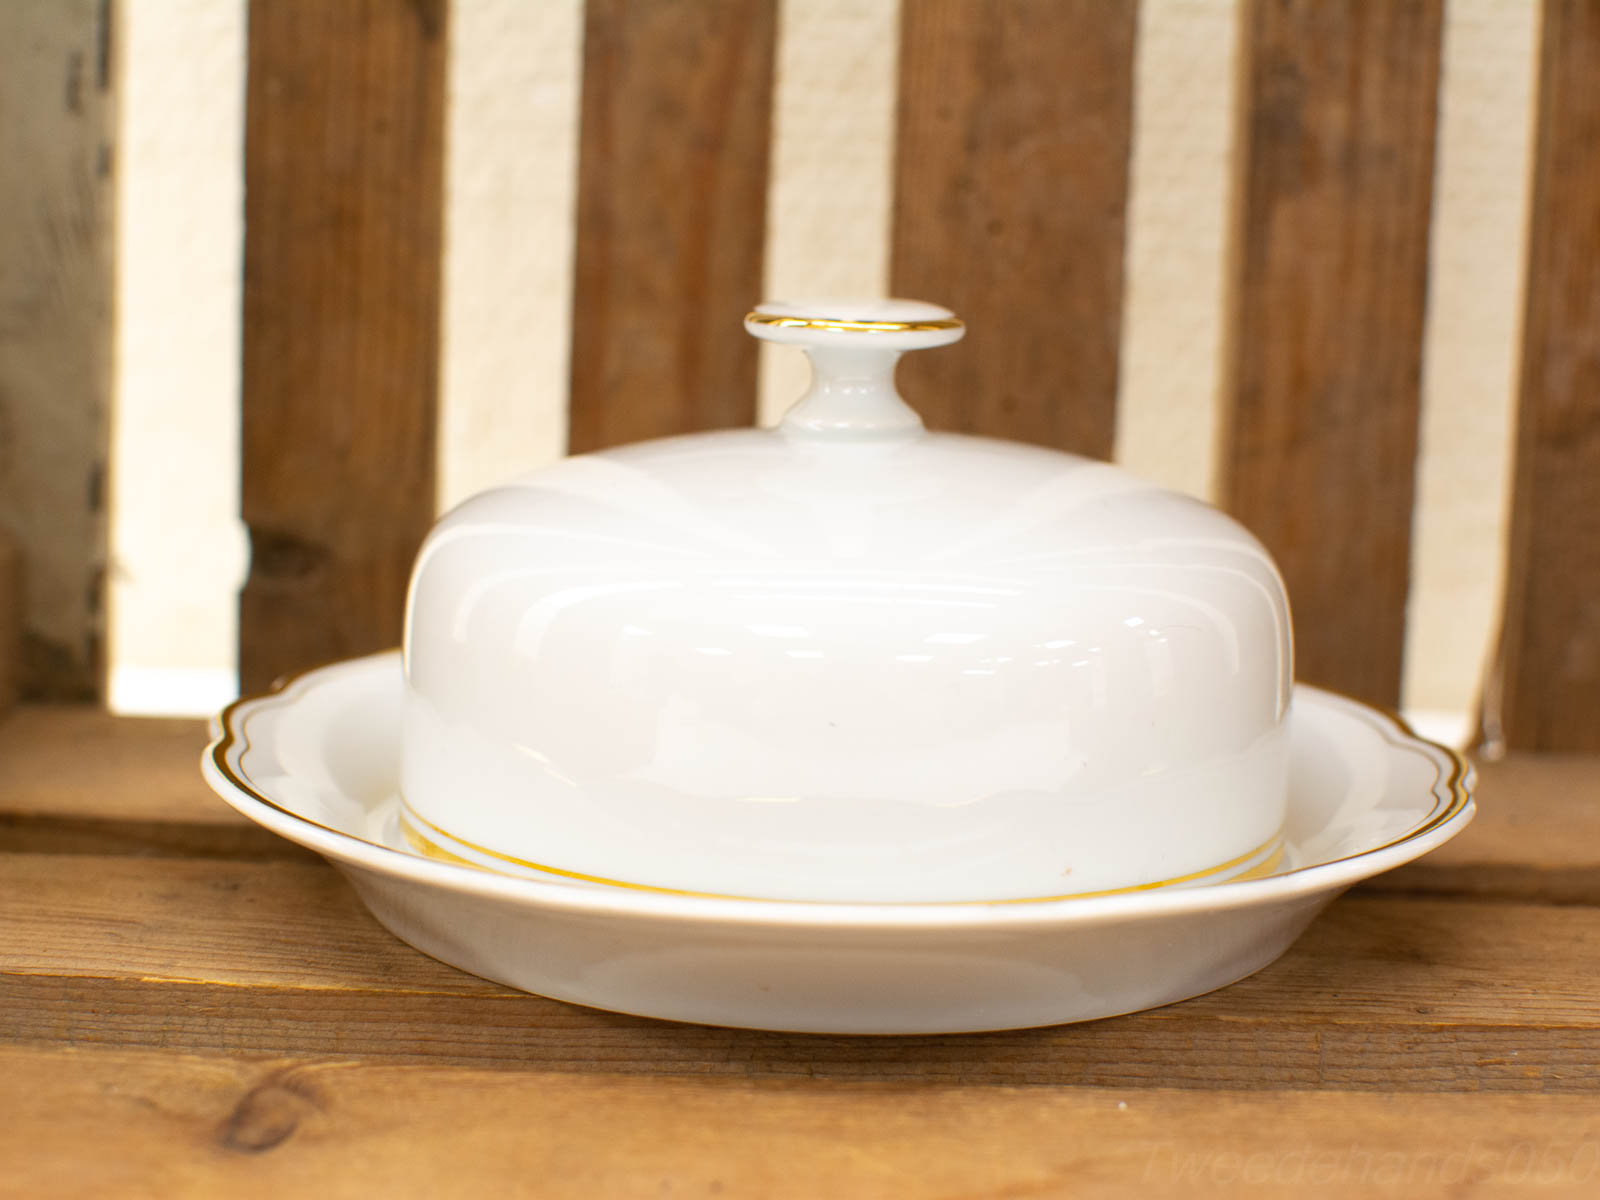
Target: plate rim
x=1453 y=785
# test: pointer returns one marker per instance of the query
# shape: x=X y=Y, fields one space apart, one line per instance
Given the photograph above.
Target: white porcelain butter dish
x=846 y=659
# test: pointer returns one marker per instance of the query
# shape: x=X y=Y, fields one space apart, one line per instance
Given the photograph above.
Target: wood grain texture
x=61 y=761
x=1011 y=177
x=56 y=231
x=672 y=189
x=1547 y=696
x=1329 y=290
x=344 y=171
x=1536 y=837
x=174 y=1125
x=10 y=621
x=79 y=781
x=279 y=958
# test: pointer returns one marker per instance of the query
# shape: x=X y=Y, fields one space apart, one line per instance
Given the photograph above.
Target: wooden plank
x=10 y=621
x=80 y=781
x=60 y=761
x=1011 y=179
x=55 y=329
x=1536 y=836
x=278 y=958
x=1329 y=288
x=672 y=188
x=176 y=1125
x=344 y=171
x=161 y=839
x=1548 y=691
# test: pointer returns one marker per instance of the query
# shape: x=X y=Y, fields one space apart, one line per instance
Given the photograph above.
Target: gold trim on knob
x=836 y=325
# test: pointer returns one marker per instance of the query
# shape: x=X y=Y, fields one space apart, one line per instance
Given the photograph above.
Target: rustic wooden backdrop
x=1010 y=198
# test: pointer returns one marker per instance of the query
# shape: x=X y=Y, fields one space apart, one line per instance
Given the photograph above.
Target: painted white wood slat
x=56 y=158
x=1471 y=353
x=1168 y=397
x=178 y=549
x=510 y=192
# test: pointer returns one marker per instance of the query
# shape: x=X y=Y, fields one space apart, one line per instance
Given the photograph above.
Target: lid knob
x=853 y=346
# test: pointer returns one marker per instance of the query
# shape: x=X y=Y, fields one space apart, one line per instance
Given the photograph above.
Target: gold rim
x=1451 y=796
x=416 y=828
x=838 y=325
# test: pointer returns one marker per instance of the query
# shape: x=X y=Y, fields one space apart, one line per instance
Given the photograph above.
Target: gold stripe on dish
x=416 y=829
x=1450 y=786
x=840 y=325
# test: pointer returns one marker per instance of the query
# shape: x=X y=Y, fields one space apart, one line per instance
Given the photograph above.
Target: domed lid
x=847 y=657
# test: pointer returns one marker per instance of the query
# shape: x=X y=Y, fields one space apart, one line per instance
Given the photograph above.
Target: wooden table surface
x=191 y=1006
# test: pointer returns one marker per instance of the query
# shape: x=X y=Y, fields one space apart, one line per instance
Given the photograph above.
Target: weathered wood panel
x=1011 y=178
x=672 y=189
x=10 y=620
x=1329 y=287
x=120 y=951
x=175 y=1125
x=55 y=330
x=1548 y=692
x=344 y=173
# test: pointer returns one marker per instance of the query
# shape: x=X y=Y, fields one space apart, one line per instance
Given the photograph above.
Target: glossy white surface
x=848 y=660
x=318 y=763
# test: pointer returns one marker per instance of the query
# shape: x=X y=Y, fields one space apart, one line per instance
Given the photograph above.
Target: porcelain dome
x=846 y=659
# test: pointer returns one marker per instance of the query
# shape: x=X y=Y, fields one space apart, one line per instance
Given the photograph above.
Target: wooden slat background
x=343 y=194
x=56 y=131
x=11 y=605
x=672 y=189
x=1548 y=694
x=1011 y=190
x=1329 y=295
x=1010 y=195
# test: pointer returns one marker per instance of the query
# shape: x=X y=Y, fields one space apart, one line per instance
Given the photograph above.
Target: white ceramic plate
x=317 y=762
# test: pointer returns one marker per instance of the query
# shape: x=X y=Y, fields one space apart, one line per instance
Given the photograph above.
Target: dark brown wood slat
x=10 y=621
x=56 y=287
x=344 y=173
x=1548 y=696
x=1329 y=289
x=672 y=192
x=1011 y=179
